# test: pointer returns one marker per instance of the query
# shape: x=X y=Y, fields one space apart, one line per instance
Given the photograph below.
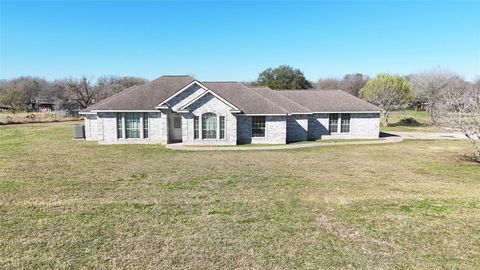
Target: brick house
x=173 y=109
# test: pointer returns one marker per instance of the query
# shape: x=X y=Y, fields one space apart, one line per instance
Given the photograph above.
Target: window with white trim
x=333 y=123
x=222 y=127
x=145 y=125
x=209 y=126
x=196 y=123
x=258 y=126
x=119 y=125
x=345 y=123
x=131 y=124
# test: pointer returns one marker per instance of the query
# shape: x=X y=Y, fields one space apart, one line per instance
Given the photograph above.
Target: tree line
x=450 y=100
x=23 y=93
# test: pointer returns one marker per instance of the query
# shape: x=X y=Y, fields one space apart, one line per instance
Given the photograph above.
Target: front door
x=175 y=127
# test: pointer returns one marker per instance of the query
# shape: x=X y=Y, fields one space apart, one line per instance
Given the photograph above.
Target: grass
x=33 y=117
x=68 y=204
x=421 y=116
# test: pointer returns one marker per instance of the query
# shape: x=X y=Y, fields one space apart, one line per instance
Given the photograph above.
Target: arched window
x=209 y=126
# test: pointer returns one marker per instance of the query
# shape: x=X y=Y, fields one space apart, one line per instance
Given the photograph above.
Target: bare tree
x=77 y=93
x=458 y=107
x=428 y=86
x=476 y=83
x=23 y=91
x=352 y=83
x=110 y=85
x=327 y=84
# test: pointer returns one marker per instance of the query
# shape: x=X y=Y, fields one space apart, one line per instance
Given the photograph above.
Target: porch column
x=164 y=126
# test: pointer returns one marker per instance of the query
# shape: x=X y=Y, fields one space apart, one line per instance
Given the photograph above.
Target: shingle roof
x=328 y=100
x=245 y=98
x=281 y=100
x=143 y=97
x=257 y=100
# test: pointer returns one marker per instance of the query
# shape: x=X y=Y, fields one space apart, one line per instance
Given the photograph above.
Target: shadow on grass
x=408 y=122
x=468 y=158
x=384 y=134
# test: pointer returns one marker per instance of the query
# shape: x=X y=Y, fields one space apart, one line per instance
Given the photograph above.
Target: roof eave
x=346 y=111
x=122 y=110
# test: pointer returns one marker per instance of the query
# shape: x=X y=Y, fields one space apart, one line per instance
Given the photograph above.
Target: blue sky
x=236 y=40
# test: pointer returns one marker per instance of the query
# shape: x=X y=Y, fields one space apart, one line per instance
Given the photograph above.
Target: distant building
x=41 y=105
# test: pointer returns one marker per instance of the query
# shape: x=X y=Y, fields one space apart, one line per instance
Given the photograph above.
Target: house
x=174 y=109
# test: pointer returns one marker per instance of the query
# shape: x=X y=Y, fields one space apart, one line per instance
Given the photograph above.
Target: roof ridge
x=292 y=100
x=221 y=82
x=251 y=91
x=278 y=94
x=268 y=100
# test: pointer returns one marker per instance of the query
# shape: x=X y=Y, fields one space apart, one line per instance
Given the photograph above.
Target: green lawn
x=421 y=116
x=75 y=204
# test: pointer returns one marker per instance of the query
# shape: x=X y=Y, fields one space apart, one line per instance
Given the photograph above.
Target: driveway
x=429 y=135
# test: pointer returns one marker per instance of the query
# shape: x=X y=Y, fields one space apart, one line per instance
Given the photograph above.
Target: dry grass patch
x=74 y=204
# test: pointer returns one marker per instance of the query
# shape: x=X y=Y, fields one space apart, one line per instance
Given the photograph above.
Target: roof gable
x=143 y=97
x=164 y=103
x=208 y=93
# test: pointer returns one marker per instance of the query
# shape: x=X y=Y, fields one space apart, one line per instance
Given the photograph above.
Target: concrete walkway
x=390 y=137
x=179 y=146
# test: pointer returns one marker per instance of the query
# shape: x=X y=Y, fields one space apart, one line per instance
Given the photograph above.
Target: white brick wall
x=317 y=126
x=91 y=127
x=205 y=104
x=156 y=129
x=365 y=125
x=106 y=128
x=362 y=126
x=275 y=130
x=297 y=127
x=103 y=126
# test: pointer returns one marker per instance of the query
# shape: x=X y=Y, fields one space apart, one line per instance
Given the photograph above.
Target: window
x=333 y=123
x=132 y=125
x=145 y=125
x=195 y=127
x=258 y=126
x=177 y=122
x=209 y=126
x=119 y=125
x=345 y=123
x=222 y=127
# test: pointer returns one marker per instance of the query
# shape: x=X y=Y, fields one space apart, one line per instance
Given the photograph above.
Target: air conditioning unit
x=79 y=131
